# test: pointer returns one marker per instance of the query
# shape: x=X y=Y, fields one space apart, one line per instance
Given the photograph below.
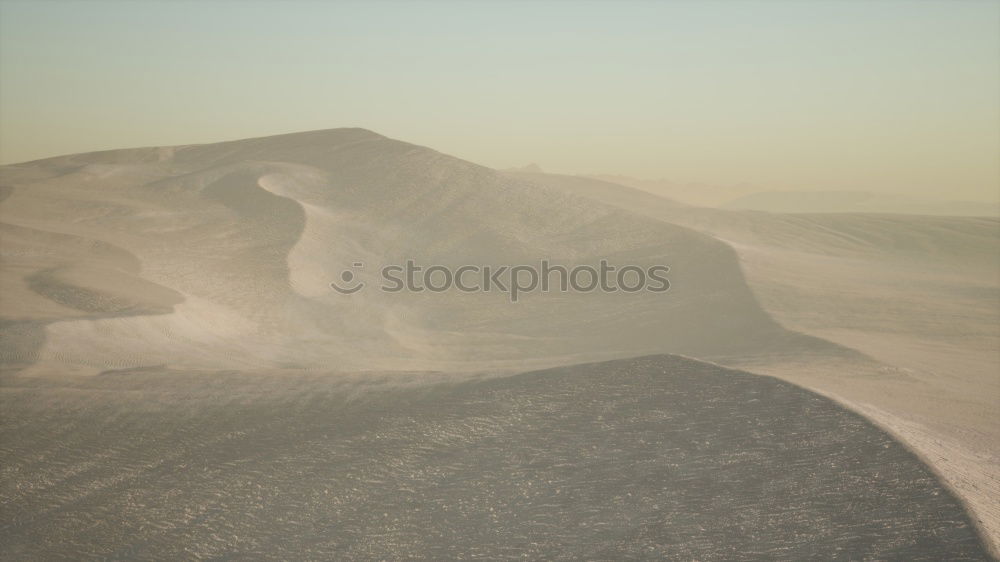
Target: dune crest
x=250 y=233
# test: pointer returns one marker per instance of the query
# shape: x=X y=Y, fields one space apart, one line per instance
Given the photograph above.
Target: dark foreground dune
x=656 y=457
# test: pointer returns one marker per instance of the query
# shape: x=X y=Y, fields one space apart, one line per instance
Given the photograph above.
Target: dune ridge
x=250 y=233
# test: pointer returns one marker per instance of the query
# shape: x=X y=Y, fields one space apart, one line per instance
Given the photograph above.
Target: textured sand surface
x=653 y=458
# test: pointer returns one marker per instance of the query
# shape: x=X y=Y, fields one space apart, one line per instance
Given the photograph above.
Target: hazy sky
x=891 y=96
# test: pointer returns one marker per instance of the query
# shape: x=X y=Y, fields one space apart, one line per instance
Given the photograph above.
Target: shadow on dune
x=658 y=457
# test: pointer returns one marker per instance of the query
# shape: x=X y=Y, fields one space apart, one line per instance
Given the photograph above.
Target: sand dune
x=206 y=269
x=651 y=458
x=920 y=295
x=748 y=197
x=857 y=202
x=250 y=233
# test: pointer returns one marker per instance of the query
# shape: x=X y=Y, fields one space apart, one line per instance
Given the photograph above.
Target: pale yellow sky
x=883 y=96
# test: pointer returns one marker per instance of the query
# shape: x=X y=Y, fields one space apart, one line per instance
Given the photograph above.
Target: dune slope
x=246 y=236
x=650 y=458
x=919 y=295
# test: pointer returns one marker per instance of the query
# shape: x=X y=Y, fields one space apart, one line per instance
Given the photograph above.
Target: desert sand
x=658 y=457
x=749 y=197
x=917 y=296
x=141 y=286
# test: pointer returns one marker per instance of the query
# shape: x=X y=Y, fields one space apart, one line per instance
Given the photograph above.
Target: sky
x=815 y=95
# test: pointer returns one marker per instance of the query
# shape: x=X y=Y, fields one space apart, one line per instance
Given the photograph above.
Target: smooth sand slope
x=919 y=295
x=654 y=458
x=231 y=247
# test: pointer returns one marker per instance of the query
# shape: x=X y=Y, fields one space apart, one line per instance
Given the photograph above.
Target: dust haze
x=180 y=377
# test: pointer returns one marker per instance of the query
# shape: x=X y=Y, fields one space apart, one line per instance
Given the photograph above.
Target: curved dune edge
x=250 y=233
x=52 y=277
x=962 y=471
x=916 y=296
x=652 y=457
x=972 y=477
